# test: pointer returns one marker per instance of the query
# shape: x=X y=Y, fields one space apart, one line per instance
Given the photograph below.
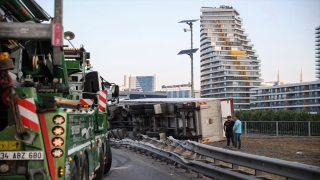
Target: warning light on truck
x=88 y=64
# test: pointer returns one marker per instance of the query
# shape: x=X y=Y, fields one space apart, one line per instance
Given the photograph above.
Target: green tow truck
x=49 y=130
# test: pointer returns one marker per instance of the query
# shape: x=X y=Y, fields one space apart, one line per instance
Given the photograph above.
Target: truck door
x=210 y=119
x=226 y=110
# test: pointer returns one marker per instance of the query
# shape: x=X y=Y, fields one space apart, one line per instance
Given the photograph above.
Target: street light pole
x=191 y=56
x=189 y=22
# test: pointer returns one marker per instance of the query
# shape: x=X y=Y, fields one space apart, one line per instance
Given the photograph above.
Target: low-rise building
x=141 y=95
x=296 y=97
x=179 y=91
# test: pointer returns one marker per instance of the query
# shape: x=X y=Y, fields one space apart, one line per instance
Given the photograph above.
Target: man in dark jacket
x=228 y=128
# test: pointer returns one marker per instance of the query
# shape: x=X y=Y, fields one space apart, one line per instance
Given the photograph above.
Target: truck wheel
x=74 y=171
x=107 y=166
x=85 y=168
x=136 y=106
x=138 y=111
x=100 y=171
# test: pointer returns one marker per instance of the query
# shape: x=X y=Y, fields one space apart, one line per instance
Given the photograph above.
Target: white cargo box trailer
x=199 y=119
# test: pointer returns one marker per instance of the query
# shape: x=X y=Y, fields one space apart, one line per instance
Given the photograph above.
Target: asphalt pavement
x=127 y=164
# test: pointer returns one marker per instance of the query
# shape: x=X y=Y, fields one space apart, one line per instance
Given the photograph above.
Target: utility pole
x=190 y=23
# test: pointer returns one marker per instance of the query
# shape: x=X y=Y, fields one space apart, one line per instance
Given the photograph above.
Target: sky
x=143 y=37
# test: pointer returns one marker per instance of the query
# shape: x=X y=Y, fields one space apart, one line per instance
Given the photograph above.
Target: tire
x=74 y=171
x=149 y=111
x=124 y=112
x=136 y=106
x=85 y=168
x=148 y=106
x=138 y=111
x=100 y=171
x=108 y=162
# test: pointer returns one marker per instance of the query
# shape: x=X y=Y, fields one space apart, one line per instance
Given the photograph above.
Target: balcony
x=290 y=92
x=238 y=18
x=207 y=56
x=209 y=61
x=208 y=50
x=214 y=65
x=210 y=71
x=238 y=23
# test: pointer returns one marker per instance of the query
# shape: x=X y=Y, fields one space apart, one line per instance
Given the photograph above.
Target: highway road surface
x=127 y=164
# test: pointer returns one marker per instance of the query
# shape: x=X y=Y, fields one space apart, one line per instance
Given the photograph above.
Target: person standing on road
x=237 y=130
x=228 y=129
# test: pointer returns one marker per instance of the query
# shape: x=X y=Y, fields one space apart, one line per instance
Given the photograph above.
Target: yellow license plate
x=10 y=145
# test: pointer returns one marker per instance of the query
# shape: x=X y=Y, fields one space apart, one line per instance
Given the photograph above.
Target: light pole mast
x=191 y=56
x=190 y=23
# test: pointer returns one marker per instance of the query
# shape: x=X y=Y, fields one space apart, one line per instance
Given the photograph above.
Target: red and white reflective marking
x=47 y=145
x=102 y=100
x=28 y=114
x=58 y=120
x=57 y=131
x=56 y=153
x=56 y=40
x=57 y=142
x=86 y=101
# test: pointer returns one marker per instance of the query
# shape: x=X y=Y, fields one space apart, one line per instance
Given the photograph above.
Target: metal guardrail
x=281 y=128
x=207 y=160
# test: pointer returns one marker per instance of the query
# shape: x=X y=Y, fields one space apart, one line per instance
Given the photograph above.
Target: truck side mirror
x=115 y=91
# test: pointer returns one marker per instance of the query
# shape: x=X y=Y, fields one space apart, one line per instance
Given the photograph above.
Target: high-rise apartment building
x=141 y=83
x=318 y=52
x=229 y=65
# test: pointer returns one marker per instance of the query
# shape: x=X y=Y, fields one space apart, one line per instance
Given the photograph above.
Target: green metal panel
x=61 y=71
x=2 y=2
x=73 y=67
x=36 y=10
x=20 y=10
x=26 y=70
x=15 y=13
x=13 y=178
x=27 y=92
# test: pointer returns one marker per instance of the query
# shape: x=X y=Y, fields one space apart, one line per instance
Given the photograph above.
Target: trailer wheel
x=85 y=168
x=107 y=166
x=74 y=171
x=136 y=106
x=100 y=171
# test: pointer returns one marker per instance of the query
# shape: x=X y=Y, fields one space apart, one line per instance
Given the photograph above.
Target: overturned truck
x=199 y=119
